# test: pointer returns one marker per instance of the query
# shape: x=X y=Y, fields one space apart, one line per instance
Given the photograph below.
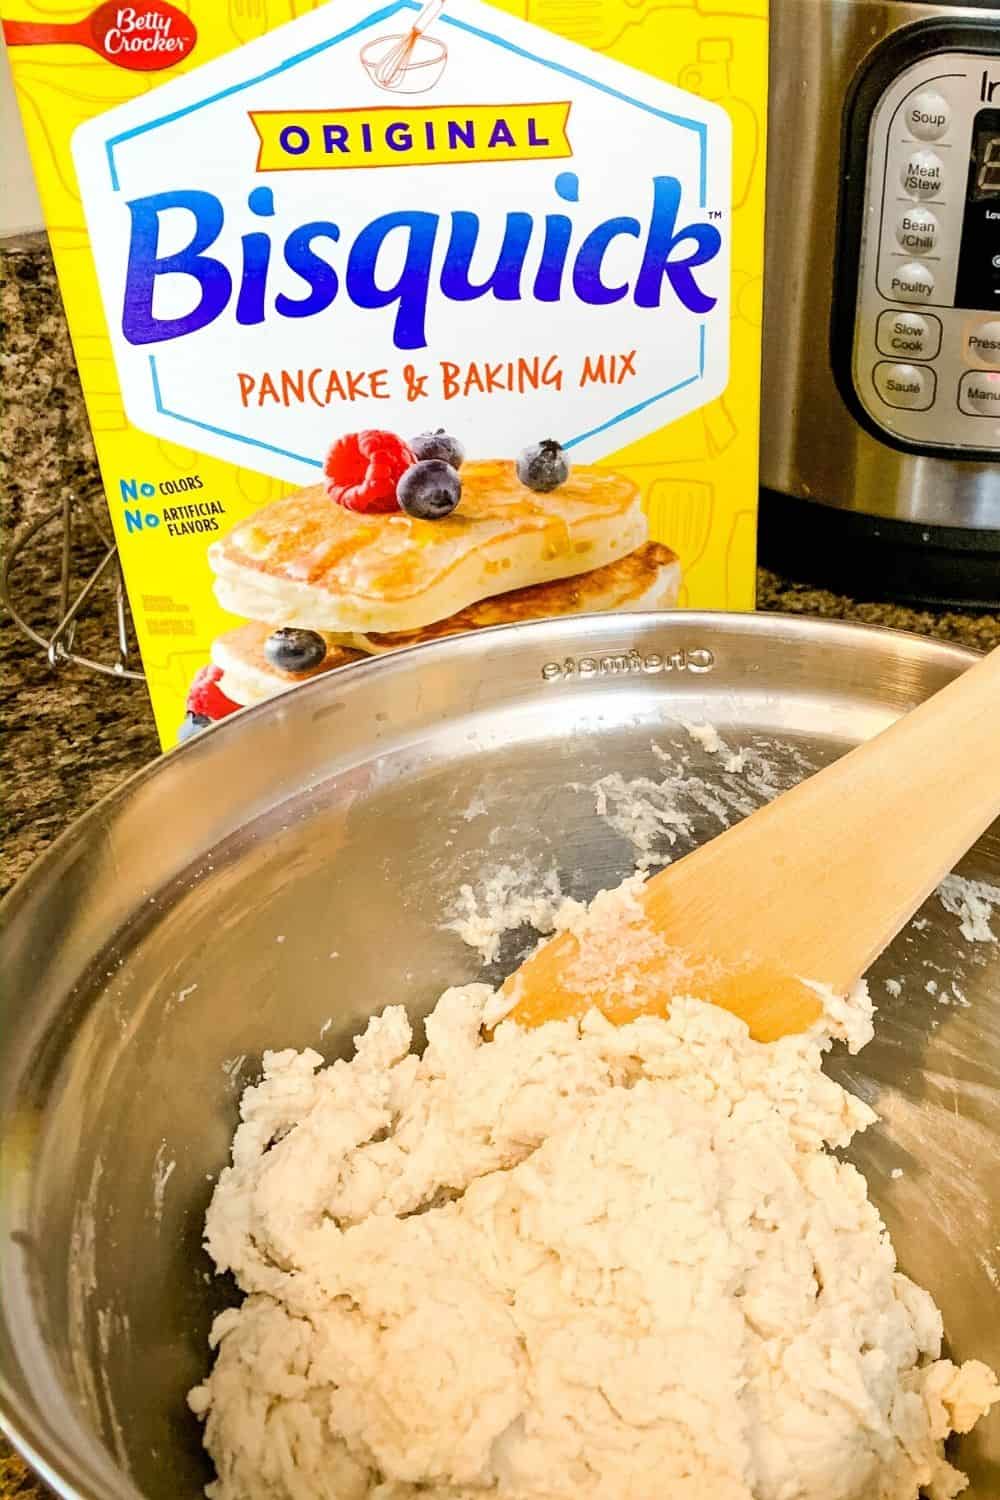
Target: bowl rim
x=806 y=626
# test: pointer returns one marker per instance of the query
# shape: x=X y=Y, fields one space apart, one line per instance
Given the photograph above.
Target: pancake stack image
x=408 y=542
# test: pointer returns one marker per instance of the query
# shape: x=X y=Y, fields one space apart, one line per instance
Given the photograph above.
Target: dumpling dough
x=582 y=1261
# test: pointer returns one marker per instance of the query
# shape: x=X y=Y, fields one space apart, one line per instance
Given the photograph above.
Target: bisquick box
x=302 y=245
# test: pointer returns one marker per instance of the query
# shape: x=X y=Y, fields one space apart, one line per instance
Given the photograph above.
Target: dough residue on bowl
x=508 y=897
x=579 y=1261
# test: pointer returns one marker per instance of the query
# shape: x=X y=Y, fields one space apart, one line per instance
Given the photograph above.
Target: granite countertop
x=73 y=736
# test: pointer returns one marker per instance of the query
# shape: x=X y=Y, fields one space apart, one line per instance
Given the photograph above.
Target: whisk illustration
x=411 y=63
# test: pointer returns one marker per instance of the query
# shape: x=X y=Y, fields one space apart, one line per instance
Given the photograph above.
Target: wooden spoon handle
x=807 y=890
x=880 y=828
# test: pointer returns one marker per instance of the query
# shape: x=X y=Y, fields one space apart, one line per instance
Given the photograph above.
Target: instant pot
x=880 y=450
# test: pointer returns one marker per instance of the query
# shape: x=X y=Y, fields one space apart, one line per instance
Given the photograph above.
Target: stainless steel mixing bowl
x=279 y=879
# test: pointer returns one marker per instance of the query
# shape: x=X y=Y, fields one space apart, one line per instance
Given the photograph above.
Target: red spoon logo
x=144 y=38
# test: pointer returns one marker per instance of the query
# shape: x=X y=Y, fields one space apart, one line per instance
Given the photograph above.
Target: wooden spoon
x=806 y=891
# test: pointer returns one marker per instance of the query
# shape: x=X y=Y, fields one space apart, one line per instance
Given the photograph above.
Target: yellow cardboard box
x=279 y=226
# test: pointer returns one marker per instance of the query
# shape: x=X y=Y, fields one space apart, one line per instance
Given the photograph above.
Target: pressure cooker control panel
x=926 y=355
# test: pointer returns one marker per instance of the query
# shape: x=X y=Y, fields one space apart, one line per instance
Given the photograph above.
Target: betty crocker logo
x=143 y=38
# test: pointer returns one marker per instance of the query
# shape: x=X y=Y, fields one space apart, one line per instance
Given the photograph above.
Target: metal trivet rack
x=72 y=601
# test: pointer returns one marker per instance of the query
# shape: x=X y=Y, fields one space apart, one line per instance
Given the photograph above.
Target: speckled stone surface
x=71 y=736
x=784 y=596
x=44 y=434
